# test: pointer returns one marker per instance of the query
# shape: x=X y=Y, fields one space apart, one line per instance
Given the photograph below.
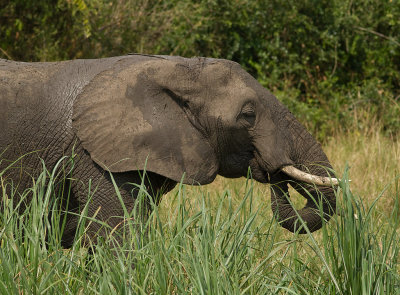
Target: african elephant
x=196 y=117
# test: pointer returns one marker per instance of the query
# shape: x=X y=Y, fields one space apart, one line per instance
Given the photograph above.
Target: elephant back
x=36 y=107
x=36 y=101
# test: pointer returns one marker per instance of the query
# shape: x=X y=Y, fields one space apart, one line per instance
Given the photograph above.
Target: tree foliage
x=326 y=59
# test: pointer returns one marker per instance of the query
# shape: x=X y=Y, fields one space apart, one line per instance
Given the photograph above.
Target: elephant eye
x=248 y=114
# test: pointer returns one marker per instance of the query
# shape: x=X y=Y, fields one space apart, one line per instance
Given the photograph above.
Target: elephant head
x=199 y=118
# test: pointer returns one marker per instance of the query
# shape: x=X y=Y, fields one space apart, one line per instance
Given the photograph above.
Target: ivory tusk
x=309 y=178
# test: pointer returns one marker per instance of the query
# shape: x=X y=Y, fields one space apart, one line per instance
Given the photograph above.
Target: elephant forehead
x=228 y=100
x=218 y=73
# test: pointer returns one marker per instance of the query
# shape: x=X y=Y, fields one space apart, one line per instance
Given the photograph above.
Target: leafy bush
x=322 y=54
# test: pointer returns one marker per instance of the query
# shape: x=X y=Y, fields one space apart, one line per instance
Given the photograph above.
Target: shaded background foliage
x=334 y=63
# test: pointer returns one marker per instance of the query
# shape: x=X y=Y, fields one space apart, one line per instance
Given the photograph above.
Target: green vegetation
x=327 y=60
x=215 y=239
x=335 y=64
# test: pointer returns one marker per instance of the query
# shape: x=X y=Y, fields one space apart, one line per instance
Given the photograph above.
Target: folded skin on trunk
x=309 y=157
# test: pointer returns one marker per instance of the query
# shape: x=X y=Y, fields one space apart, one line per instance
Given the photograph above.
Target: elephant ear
x=129 y=117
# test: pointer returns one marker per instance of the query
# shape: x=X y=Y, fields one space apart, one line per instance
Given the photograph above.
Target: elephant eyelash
x=248 y=109
x=249 y=114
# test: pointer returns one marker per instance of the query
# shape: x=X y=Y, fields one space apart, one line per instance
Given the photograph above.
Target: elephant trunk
x=310 y=178
x=310 y=214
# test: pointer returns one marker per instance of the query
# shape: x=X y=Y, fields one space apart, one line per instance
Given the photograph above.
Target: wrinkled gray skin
x=198 y=116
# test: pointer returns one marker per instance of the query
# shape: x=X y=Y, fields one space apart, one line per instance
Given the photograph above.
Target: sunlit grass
x=374 y=162
x=219 y=239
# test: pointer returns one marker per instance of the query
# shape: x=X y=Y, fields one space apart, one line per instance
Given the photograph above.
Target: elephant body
x=180 y=119
x=36 y=104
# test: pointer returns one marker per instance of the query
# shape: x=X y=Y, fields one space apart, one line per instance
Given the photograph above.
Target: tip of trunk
x=320 y=206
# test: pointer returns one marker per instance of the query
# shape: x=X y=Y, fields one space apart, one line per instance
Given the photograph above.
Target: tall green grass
x=221 y=242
